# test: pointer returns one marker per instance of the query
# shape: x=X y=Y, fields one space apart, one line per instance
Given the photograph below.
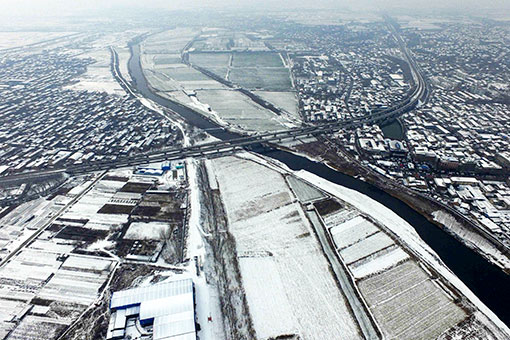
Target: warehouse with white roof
x=165 y=311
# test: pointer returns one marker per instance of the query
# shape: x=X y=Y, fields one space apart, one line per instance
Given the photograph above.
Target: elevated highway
x=418 y=95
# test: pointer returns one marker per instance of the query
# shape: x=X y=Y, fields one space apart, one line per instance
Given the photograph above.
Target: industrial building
x=161 y=311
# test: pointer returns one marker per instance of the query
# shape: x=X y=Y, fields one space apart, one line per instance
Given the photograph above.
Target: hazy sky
x=63 y=7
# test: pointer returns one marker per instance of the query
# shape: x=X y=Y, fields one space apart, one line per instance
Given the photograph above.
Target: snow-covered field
x=171 y=41
x=98 y=76
x=379 y=263
x=408 y=305
x=23 y=222
x=259 y=273
x=366 y=247
x=284 y=100
x=165 y=72
x=399 y=293
x=288 y=284
x=410 y=239
x=267 y=189
x=352 y=231
x=237 y=109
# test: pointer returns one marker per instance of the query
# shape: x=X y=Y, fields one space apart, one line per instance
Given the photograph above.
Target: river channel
x=486 y=280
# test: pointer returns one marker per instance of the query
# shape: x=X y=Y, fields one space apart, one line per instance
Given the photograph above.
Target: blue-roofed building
x=164 y=311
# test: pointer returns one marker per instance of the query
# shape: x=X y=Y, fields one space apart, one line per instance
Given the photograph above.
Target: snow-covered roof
x=168 y=306
x=138 y=295
x=171 y=305
x=174 y=326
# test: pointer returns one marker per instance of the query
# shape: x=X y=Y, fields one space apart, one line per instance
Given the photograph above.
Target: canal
x=487 y=281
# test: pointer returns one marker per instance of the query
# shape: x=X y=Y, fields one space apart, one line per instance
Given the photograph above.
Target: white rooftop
x=134 y=296
x=168 y=306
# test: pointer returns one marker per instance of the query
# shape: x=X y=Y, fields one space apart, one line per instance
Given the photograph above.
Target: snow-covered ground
x=21 y=223
x=162 y=66
x=408 y=304
x=379 y=263
x=366 y=247
x=208 y=303
x=352 y=231
x=99 y=75
x=409 y=292
x=287 y=281
x=405 y=233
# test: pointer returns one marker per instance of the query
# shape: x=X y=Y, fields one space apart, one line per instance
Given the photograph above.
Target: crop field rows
x=402 y=297
x=408 y=304
x=251 y=70
x=363 y=247
x=262 y=70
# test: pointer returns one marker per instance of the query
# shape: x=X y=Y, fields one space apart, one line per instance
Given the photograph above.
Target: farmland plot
x=271 y=79
x=162 y=82
x=258 y=274
x=38 y=328
x=237 y=109
x=304 y=192
x=352 y=231
x=408 y=305
x=257 y=59
x=288 y=284
x=231 y=108
x=379 y=263
x=284 y=100
x=171 y=41
x=404 y=300
x=366 y=247
x=184 y=74
x=263 y=71
x=339 y=217
x=167 y=59
x=210 y=60
x=409 y=302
